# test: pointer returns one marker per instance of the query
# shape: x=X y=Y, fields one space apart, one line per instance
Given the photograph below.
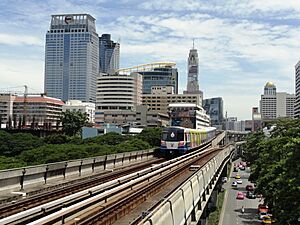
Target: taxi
x=266 y=220
x=237 y=176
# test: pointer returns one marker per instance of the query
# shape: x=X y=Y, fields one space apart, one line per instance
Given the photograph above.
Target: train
x=180 y=140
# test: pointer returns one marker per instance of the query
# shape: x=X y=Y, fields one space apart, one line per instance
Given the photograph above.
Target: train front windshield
x=173 y=135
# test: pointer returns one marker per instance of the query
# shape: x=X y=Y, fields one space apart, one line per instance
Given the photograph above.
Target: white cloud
x=242 y=44
x=20 y=72
x=15 y=39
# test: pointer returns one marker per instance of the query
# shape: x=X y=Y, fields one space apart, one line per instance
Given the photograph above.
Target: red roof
x=41 y=100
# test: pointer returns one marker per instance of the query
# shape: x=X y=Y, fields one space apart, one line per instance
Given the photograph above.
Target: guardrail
x=187 y=203
x=12 y=179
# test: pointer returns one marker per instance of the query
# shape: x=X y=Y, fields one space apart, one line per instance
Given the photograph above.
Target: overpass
x=191 y=202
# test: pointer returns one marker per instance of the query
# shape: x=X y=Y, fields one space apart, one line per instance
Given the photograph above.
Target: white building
x=6 y=108
x=276 y=104
x=117 y=92
x=72 y=57
x=188 y=115
x=297 y=91
x=84 y=107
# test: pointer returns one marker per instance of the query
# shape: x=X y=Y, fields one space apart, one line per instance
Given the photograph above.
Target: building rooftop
x=270 y=84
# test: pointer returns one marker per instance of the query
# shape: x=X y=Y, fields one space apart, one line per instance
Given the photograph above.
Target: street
x=232 y=207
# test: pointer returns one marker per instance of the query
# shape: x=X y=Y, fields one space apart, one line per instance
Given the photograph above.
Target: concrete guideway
x=232 y=208
x=31 y=179
x=188 y=204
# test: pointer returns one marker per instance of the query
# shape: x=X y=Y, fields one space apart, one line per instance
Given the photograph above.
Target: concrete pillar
x=213 y=200
x=203 y=217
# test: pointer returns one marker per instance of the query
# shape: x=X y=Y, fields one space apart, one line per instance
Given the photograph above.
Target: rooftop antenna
x=193 y=43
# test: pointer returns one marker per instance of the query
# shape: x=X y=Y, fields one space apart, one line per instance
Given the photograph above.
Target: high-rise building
x=161 y=97
x=214 y=108
x=193 y=72
x=109 y=54
x=156 y=74
x=188 y=115
x=256 y=122
x=72 y=57
x=276 y=104
x=117 y=92
x=297 y=91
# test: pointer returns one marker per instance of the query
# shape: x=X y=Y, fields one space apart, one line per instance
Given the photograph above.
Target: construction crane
x=25 y=103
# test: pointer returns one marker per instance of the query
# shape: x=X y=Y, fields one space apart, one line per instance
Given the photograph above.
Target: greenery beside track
x=275 y=167
x=214 y=217
x=19 y=150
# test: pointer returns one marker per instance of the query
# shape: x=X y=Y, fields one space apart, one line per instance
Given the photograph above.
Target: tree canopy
x=25 y=149
x=276 y=169
x=73 y=121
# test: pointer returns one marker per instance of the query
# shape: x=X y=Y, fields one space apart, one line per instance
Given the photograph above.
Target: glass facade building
x=72 y=57
x=109 y=54
x=162 y=76
x=214 y=108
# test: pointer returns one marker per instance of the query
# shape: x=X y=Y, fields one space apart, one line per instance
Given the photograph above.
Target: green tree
x=111 y=138
x=10 y=163
x=151 y=135
x=276 y=169
x=72 y=122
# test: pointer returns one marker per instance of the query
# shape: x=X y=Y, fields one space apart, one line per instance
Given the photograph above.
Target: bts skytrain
x=179 y=140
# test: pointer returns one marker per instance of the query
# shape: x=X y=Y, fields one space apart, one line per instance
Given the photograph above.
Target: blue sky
x=242 y=44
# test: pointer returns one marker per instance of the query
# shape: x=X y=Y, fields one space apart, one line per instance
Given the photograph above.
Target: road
x=232 y=213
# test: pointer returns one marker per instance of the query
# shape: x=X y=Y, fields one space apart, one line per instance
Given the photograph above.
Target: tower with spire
x=192 y=72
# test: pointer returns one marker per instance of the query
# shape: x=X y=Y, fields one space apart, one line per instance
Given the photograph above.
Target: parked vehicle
x=262 y=208
x=234 y=184
x=237 y=176
x=266 y=220
x=249 y=187
x=240 y=195
x=224 y=179
x=250 y=195
x=261 y=215
x=239 y=181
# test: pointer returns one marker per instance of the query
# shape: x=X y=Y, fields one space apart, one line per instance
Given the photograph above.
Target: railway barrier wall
x=187 y=204
x=18 y=178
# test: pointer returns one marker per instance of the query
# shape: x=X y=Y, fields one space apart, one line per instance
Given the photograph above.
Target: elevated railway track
x=118 y=195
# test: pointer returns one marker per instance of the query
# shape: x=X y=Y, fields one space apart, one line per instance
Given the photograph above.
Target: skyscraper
x=297 y=91
x=72 y=57
x=193 y=71
x=276 y=104
x=109 y=54
x=214 y=108
x=156 y=74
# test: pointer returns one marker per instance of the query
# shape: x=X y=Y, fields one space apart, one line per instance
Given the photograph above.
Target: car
x=239 y=181
x=240 y=195
x=234 y=184
x=261 y=215
x=242 y=168
x=262 y=208
x=224 y=179
x=237 y=176
x=235 y=169
x=250 y=195
x=249 y=187
x=266 y=220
